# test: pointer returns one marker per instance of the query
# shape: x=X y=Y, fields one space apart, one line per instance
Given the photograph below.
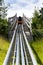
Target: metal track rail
x=20 y=47
x=29 y=49
x=10 y=47
x=22 y=54
x=25 y=53
x=17 y=55
x=13 y=62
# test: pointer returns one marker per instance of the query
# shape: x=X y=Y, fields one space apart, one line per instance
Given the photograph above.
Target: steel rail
x=25 y=53
x=10 y=47
x=13 y=24
x=17 y=55
x=27 y=20
x=22 y=54
x=29 y=49
x=13 y=21
x=14 y=55
x=27 y=24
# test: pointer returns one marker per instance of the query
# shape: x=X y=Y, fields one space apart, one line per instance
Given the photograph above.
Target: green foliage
x=37 y=47
x=4 y=44
x=37 y=21
x=37 y=34
x=3 y=26
x=37 y=24
x=0 y=0
x=41 y=11
x=3 y=9
x=36 y=14
x=41 y=17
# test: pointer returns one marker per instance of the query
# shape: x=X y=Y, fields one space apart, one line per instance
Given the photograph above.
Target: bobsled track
x=19 y=51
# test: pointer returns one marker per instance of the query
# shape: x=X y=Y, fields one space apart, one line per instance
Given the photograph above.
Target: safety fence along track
x=19 y=51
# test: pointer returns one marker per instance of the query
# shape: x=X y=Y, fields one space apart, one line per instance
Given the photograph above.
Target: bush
x=37 y=25
x=37 y=34
x=3 y=27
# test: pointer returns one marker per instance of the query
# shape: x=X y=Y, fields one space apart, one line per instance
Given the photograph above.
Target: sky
x=23 y=6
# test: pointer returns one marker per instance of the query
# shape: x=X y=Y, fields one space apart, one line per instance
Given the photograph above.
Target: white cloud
x=27 y=10
x=22 y=1
x=20 y=12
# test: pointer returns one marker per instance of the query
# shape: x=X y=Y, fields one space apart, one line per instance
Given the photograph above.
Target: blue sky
x=23 y=6
x=16 y=1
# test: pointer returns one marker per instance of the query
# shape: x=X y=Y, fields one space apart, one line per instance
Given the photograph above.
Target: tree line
x=3 y=20
x=37 y=24
x=4 y=27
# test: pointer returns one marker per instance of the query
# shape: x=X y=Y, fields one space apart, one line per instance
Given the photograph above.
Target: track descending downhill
x=19 y=52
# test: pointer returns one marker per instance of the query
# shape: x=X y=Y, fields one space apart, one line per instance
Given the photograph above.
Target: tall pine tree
x=3 y=9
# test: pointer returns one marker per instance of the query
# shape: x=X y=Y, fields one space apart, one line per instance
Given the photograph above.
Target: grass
x=37 y=47
x=4 y=44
